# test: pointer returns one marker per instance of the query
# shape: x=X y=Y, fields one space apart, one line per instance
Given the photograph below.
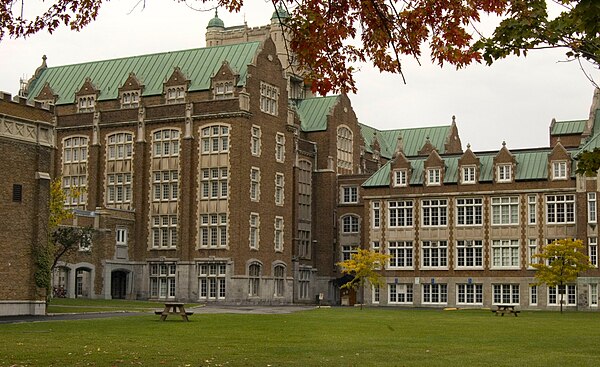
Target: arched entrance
x=118 y=284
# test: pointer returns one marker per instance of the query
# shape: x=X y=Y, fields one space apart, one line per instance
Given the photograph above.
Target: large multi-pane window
x=591 y=205
x=165 y=186
x=223 y=89
x=254 y=231
x=119 y=167
x=533 y=295
x=280 y=147
x=434 y=254
x=303 y=284
x=165 y=143
x=435 y=293
x=376 y=214
x=400 y=213
x=279 y=280
x=469 y=294
x=278 y=233
x=505 y=253
x=400 y=293
x=214 y=183
x=349 y=194
x=469 y=211
x=255 y=141
x=401 y=254
x=255 y=184
x=349 y=224
x=213 y=230
x=74 y=170
x=593 y=250
x=162 y=280
x=505 y=210
x=253 y=279
x=164 y=231
x=348 y=251
x=215 y=139
x=560 y=209
x=269 y=96
x=344 y=150
x=505 y=294
x=434 y=212
x=304 y=190
x=469 y=254
x=212 y=280
x=304 y=248
x=569 y=297
x=130 y=99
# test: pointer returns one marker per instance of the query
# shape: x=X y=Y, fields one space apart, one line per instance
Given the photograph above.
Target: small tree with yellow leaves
x=364 y=266
x=560 y=262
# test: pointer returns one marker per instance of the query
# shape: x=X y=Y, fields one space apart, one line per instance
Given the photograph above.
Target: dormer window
x=468 y=175
x=130 y=99
x=86 y=104
x=559 y=170
x=434 y=176
x=400 y=178
x=504 y=173
x=175 y=95
x=223 y=90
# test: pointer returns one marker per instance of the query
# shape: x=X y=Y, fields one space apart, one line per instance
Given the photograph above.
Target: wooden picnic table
x=502 y=309
x=174 y=308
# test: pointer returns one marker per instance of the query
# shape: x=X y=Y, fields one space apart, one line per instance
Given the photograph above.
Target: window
x=434 y=254
x=279 y=193
x=376 y=246
x=214 y=183
x=569 y=297
x=469 y=254
x=434 y=176
x=165 y=186
x=255 y=141
x=505 y=254
x=400 y=293
x=469 y=294
x=280 y=147
x=254 y=231
x=469 y=211
x=593 y=295
x=175 y=95
x=559 y=170
x=532 y=250
x=304 y=190
x=467 y=174
x=560 y=209
x=349 y=194
x=504 y=173
x=350 y=224
x=119 y=154
x=85 y=243
x=213 y=230
x=434 y=212
x=348 y=251
x=165 y=143
x=376 y=294
x=279 y=279
x=212 y=280
x=344 y=150
x=130 y=99
x=593 y=251
x=86 y=104
x=17 y=193
x=223 y=90
x=401 y=255
x=121 y=236
x=505 y=294
x=304 y=248
x=278 y=234
x=533 y=295
x=164 y=231
x=269 y=96
x=400 y=178
x=162 y=280
x=400 y=213
x=253 y=280
x=254 y=184
x=376 y=214
x=591 y=205
x=435 y=293
x=215 y=139
x=74 y=171
x=532 y=209
x=304 y=283
x=505 y=210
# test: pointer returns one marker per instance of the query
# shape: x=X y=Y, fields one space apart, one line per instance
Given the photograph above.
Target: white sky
x=514 y=100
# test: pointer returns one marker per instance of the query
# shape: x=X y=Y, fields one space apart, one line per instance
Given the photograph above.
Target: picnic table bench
x=502 y=309
x=174 y=308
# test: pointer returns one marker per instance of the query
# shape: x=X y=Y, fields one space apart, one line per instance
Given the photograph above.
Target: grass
x=82 y=305
x=320 y=337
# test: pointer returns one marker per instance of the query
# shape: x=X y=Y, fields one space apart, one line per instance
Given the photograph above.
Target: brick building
x=214 y=175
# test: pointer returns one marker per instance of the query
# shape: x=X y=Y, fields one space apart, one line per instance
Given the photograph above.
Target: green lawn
x=78 y=305
x=320 y=337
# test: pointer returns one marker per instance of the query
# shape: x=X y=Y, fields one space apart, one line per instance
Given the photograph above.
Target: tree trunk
x=562 y=296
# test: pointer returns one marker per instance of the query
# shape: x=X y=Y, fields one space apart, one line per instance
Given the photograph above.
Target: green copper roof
x=568 y=127
x=280 y=13
x=413 y=139
x=198 y=65
x=313 y=112
x=594 y=140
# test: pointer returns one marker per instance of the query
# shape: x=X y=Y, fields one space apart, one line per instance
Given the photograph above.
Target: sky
x=512 y=101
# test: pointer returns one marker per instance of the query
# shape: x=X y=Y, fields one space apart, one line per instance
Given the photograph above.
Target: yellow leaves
x=364 y=266
x=561 y=262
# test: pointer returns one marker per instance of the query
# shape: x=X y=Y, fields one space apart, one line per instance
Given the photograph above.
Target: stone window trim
x=130 y=98
x=349 y=194
x=504 y=173
x=175 y=94
x=433 y=176
x=255 y=140
x=279 y=189
x=559 y=170
x=254 y=232
x=400 y=177
x=269 y=98
x=223 y=89
x=280 y=147
x=468 y=174
x=278 y=226
x=350 y=224
x=214 y=139
x=345 y=150
x=86 y=103
x=255 y=184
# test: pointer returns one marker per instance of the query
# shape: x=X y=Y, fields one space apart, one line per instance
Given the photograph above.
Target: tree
x=329 y=37
x=588 y=162
x=560 y=263
x=364 y=266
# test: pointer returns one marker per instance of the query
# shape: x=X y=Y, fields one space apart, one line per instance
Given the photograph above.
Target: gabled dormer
x=224 y=81
x=427 y=148
x=452 y=145
x=130 y=92
x=175 y=88
x=46 y=95
x=559 y=163
x=401 y=168
x=434 y=169
x=86 y=97
x=505 y=165
x=469 y=168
